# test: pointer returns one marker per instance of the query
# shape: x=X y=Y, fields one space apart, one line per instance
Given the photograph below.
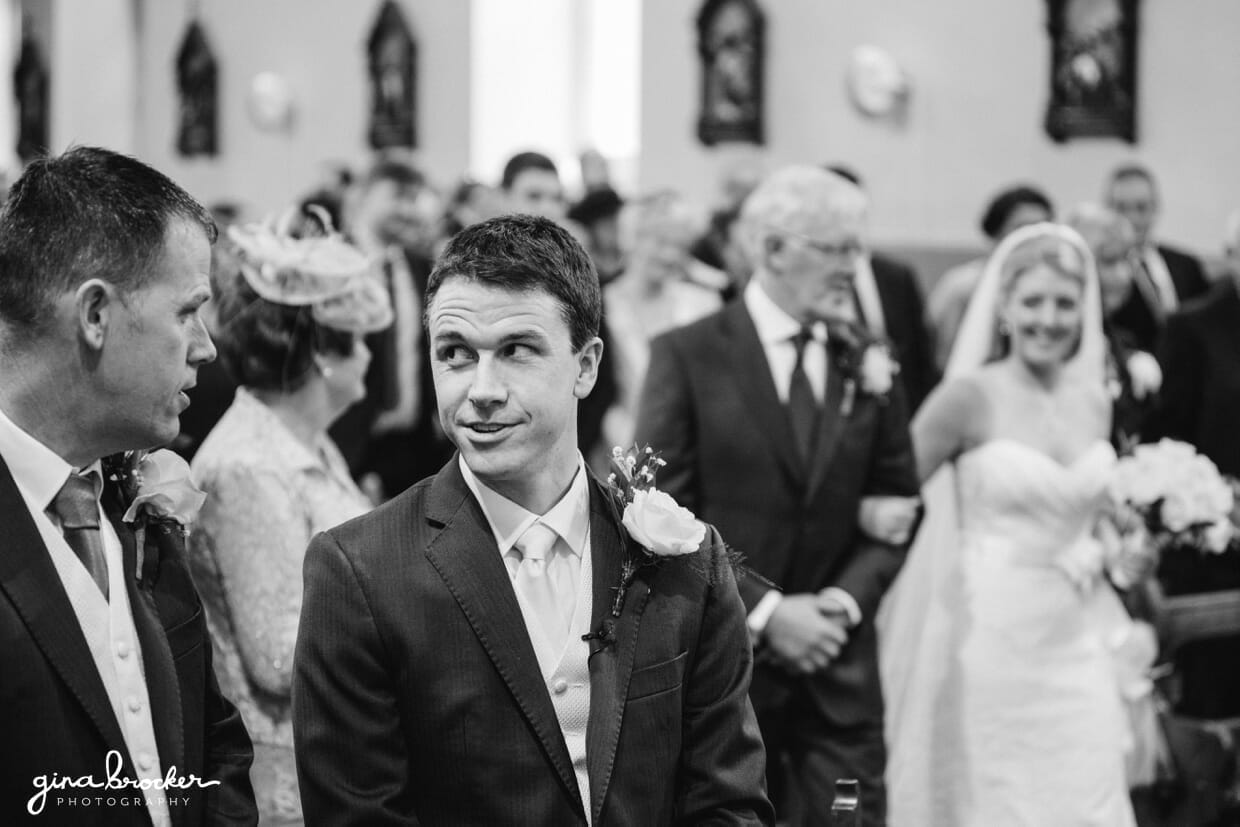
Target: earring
x=1004 y=330
x=327 y=372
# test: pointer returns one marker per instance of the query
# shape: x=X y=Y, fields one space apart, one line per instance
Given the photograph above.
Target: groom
x=441 y=674
x=785 y=433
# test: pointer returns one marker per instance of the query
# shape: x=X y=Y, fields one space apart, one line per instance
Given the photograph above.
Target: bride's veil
x=922 y=619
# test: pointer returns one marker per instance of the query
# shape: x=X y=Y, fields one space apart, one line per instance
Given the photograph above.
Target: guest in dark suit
x=392 y=436
x=443 y=673
x=776 y=428
x=890 y=304
x=1200 y=356
x=104 y=267
x=1166 y=277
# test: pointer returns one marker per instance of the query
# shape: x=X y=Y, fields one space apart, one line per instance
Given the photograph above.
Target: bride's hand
x=888 y=519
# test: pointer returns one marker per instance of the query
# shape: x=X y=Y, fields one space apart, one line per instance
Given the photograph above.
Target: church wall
x=979 y=72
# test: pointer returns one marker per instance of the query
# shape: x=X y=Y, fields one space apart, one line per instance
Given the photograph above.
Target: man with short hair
x=773 y=427
x=392 y=215
x=471 y=652
x=1167 y=277
x=531 y=185
x=104 y=269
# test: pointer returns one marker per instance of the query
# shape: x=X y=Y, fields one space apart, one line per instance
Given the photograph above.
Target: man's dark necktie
x=77 y=506
x=803 y=408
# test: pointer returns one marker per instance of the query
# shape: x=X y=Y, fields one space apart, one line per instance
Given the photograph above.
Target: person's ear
x=95 y=303
x=588 y=360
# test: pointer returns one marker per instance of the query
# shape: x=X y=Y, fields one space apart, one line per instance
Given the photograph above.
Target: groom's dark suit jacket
x=710 y=406
x=55 y=716
x=417 y=696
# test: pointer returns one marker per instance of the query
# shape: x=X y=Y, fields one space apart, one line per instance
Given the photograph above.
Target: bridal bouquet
x=1177 y=496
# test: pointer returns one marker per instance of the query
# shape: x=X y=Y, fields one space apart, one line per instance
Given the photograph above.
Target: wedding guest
x=662 y=287
x=1165 y=276
x=107 y=669
x=1133 y=376
x=771 y=429
x=392 y=438
x=1006 y=655
x=1009 y=210
x=598 y=214
x=1200 y=356
x=890 y=305
x=443 y=673
x=531 y=185
x=293 y=313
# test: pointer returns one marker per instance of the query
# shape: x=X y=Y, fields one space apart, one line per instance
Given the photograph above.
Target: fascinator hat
x=324 y=273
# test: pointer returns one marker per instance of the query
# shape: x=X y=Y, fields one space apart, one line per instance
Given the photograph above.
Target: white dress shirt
x=106 y=624
x=776 y=330
x=1156 y=267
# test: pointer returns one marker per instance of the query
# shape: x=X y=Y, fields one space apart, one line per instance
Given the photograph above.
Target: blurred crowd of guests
x=301 y=425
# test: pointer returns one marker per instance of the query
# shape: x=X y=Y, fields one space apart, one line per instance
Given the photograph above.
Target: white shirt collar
x=38 y=470
x=569 y=518
x=773 y=324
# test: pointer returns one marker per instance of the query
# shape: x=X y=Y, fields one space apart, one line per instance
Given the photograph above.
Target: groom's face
x=508 y=381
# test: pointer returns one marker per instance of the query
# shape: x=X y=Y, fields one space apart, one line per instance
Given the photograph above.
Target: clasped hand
x=806 y=632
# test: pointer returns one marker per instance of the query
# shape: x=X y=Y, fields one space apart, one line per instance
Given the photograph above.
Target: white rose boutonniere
x=164 y=490
x=662 y=527
x=652 y=518
x=862 y=361
x=1144 y=373
x=158 y=495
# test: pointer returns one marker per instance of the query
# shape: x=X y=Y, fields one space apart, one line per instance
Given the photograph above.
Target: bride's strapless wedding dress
x=1042 y=720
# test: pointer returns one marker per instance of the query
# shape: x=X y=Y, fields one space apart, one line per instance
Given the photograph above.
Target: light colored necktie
x=536 y=584
x=77 y=507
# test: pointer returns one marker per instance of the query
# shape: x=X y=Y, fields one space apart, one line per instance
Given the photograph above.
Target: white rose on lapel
x=1145 y=374
x=164 y=490
x=664 y=528
x=878 y=370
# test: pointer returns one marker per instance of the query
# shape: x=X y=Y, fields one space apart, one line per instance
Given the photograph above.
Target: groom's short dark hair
x=524 y=253
x=89 y=213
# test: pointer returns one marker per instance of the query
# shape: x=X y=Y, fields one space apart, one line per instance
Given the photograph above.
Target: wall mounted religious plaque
x=198 y=88
x=393 y=56
x=730 y=45
x=1093 y=69
x=30 y=85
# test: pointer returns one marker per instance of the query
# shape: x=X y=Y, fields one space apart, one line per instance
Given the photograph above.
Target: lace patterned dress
x=267 y=495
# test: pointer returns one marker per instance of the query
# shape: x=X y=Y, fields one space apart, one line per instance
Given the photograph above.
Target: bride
x=1003 y=646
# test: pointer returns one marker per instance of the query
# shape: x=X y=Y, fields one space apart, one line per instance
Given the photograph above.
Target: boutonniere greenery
x=866 y=364
x=158 y=495
x=657 y=525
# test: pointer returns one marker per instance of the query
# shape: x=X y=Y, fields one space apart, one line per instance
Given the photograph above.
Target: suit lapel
x=29 y=578
x=610 y=667
x=466 y=557
x=757 y=387
x=161 y=675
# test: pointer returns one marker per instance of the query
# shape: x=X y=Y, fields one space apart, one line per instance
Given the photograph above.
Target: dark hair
x=1001 y=207
x=1131 y=170
x=89 y=213
x=526 y=253
x=391 y=169
x=522 y=161
x=264 y=345
x=595 y=206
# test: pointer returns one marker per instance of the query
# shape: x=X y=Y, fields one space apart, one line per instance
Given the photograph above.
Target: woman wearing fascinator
x=292 y=316
x=1016 y=684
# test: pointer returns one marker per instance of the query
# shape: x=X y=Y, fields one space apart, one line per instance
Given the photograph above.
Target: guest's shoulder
x=1218 y=304
x=887 y=267
x=711 y=327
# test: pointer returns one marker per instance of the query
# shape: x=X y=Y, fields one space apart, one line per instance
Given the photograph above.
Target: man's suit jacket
x=904 y=311
x=55 y=715
x=1141 y=321
x=1200 y=358
x=711 y=407
x=417 y=696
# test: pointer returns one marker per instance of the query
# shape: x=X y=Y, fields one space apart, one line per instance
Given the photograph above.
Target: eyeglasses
x=845 y=250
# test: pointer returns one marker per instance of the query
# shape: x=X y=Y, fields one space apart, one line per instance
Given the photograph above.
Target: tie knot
x=77 y=502
x=537 y=541
x=802 y=338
